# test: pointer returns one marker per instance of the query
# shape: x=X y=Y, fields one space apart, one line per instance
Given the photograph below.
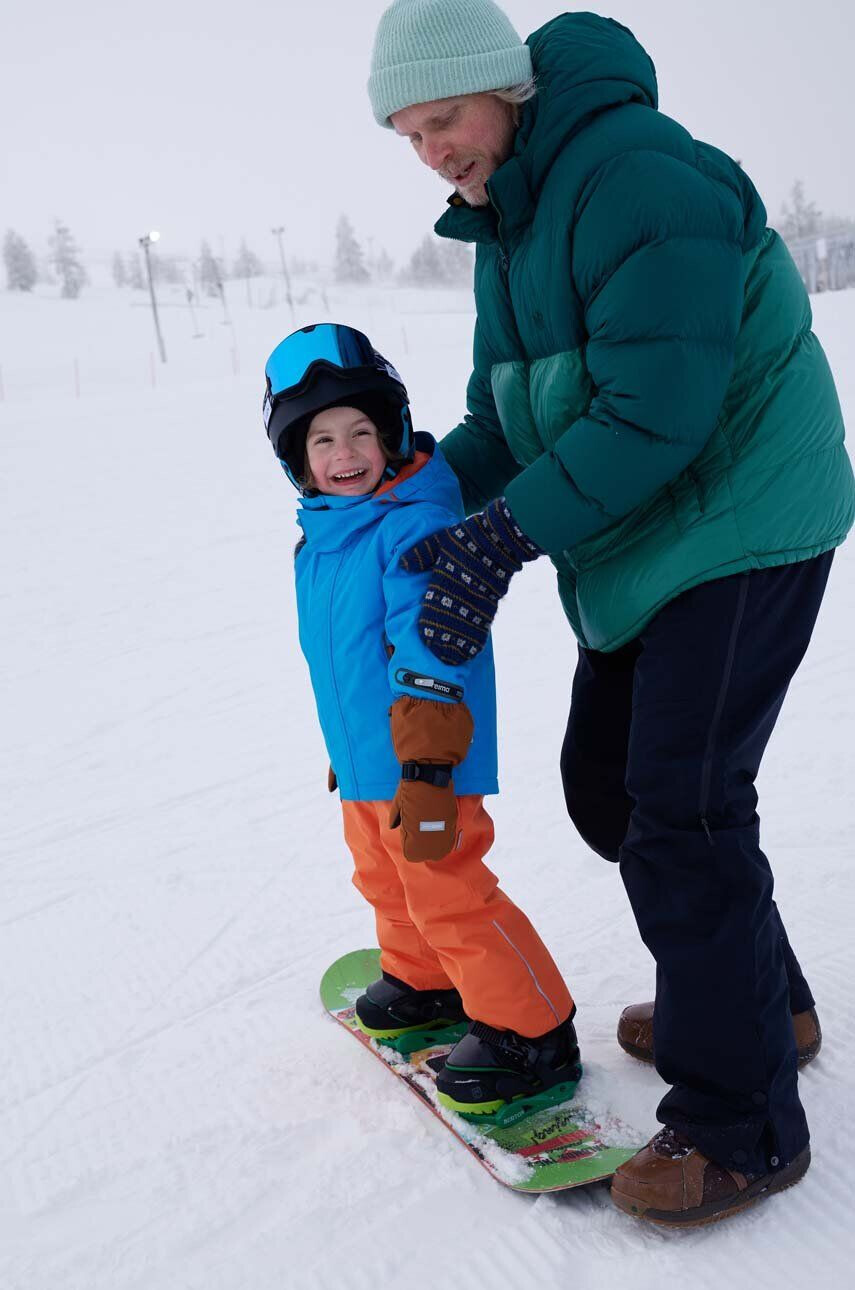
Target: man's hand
x=471 y=565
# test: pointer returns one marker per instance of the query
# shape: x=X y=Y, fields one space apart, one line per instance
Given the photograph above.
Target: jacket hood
x=584 y=65
x=329 y=523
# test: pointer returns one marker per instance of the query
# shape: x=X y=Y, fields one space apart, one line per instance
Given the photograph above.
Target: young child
x=412 y=742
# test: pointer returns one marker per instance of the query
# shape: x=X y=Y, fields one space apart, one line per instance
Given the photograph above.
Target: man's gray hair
x=518 y=94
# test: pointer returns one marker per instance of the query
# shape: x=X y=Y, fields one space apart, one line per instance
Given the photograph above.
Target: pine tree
x=20 y=263
x=247 y=264
x=349 y=265
x=384 y=266
x=457 y=262
x=425 y=268
x=135 y=271
x=64 y=255
x=210 y=271
x=801 y=218
x=120 y=273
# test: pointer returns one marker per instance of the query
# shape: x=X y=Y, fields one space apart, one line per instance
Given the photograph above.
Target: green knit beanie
x=439 y=49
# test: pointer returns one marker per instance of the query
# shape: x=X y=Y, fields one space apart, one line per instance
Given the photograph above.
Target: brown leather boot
x=670 y=1182
x=635 y=1033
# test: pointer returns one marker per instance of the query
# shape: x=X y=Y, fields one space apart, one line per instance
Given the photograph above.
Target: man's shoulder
x=631 y=128
x=637 y=139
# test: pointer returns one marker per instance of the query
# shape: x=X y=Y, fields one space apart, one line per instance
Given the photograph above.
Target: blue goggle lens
x=341 y=347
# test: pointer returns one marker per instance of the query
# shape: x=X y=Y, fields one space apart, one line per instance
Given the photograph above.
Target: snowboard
x=534 y=1151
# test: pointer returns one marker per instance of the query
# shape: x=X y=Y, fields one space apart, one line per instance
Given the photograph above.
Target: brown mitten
x=429 y=739
x=427 y=817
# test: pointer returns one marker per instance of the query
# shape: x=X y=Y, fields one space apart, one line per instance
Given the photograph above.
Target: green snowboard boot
x=490 y=1069
x=390 y=1008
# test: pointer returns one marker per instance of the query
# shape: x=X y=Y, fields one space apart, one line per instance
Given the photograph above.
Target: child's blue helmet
x=326 y=364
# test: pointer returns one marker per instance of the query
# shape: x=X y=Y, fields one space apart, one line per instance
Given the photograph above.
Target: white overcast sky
x=210 y=119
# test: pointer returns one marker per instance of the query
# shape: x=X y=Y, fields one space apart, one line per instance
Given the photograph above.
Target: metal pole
x=145 y=243
x=277 y=233
x=196 y=332
x=227 y=322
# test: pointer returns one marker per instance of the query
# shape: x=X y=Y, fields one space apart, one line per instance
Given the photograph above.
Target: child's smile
x=344 y=454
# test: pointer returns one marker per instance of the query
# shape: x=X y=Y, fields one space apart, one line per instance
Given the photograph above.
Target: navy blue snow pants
x=663 y=746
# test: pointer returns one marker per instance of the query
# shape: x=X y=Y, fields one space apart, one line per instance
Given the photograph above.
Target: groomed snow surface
x=178 y=1113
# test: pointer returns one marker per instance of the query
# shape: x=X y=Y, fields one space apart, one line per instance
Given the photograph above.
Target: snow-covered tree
x=136 y=278
x=799 y=217
x=65 y=254
x=349 y=264
x=210 y=271
x=21 y=273
x=120 y=273
x=457 y=261
x=384 y=266
x=247 y=264
x=425 y=267
x=439 y=262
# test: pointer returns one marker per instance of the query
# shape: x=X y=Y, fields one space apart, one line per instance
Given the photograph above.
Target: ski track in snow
x=176 y=1110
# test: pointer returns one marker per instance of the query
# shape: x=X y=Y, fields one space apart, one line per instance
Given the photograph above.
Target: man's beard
x=474 y=194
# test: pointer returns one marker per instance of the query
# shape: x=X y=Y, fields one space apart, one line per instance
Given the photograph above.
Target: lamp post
x=277 y=233
x=145 y=242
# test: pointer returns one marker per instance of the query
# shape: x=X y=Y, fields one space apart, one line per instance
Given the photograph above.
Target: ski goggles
x=331 y=345
x=328 y=355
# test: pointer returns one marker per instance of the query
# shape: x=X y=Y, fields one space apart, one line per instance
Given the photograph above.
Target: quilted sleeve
x=476 y=450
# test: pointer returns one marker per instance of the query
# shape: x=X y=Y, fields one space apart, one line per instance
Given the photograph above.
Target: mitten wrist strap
x=439 y=776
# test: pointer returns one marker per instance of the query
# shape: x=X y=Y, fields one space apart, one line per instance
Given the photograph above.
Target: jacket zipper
x=333 y=682
x=706 y=768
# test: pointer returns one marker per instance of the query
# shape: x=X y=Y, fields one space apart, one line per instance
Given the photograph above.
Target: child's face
x=343 y=453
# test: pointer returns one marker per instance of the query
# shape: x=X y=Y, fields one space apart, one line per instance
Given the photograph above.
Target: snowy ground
x=176 y=1111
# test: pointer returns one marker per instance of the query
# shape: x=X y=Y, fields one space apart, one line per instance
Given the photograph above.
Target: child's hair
x=380 y=412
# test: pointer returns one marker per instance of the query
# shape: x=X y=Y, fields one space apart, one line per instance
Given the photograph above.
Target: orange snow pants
x=448 y=923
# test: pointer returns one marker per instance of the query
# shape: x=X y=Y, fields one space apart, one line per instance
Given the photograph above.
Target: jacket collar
x=330 y=523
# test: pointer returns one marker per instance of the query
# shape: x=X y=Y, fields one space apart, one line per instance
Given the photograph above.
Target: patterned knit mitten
x=471 y=565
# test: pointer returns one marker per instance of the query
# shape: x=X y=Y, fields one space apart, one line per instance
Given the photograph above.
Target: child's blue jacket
x=354 y=604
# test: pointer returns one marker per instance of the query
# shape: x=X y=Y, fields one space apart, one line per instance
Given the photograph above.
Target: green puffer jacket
x=647 y=391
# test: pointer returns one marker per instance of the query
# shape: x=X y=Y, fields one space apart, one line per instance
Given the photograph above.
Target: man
x=650 y=408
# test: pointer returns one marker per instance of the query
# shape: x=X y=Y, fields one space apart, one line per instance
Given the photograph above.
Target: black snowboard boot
x=390 y=1008
x=488 y=1069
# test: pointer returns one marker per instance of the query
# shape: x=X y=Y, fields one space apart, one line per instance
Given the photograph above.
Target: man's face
x=463 y=139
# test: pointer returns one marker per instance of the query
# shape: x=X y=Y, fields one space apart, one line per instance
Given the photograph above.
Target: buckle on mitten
x=439 y=776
